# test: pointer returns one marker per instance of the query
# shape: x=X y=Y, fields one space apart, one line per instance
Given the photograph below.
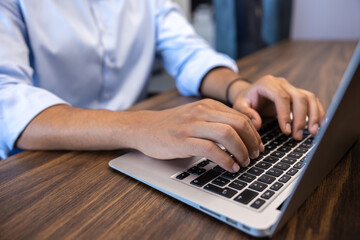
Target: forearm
x=216 y=81
x=65 y=127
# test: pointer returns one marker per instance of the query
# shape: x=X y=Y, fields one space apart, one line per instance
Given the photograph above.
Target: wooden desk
x=75 y=195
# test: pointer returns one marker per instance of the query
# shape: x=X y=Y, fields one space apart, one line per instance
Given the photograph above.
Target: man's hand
x=271 y=96
x=193 y=130
x=268 y=96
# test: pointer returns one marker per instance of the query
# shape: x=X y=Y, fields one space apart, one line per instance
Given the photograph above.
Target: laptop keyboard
x=258 y=184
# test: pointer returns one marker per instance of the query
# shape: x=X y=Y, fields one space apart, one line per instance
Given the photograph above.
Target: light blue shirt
x=92 y=54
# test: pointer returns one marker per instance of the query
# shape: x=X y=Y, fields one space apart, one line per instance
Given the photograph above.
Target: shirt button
x=110 y=63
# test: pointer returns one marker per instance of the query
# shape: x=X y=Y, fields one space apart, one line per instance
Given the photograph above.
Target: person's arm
x=20 y=101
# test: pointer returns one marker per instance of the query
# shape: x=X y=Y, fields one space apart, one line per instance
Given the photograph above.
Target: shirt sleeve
x=20 y=100
x=186 y=56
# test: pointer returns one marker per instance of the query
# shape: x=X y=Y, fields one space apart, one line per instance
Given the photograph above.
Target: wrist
x=234 y=88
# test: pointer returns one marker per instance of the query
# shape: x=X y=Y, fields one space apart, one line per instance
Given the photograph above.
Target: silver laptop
x=259 y=199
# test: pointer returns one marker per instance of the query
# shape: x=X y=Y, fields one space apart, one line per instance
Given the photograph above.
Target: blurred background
x=241 y=27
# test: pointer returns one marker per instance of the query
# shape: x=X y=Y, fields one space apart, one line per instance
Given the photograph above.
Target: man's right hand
x=193 y=130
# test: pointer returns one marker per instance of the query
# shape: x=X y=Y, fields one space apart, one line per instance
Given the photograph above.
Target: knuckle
x=208 y=147
x=284 y=96
x=226 y=131
x=311 y=95
x=201 y=106
x=302 y=98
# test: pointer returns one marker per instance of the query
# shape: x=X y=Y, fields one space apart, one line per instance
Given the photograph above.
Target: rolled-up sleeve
x=186 y=56
x=20 y=100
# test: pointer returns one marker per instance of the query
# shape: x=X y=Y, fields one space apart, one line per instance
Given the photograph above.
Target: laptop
x=260 y=198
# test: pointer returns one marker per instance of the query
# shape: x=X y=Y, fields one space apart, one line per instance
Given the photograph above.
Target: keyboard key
x=266 y=139
x=258 y=203
x=299 y=165
x=295 y=155
x=219 y=169
x=306 y=132
x=268 y=194
x=252 y=163
x=205 y=178
x=245 y=196
x=203 y=163
x=284 y=149
x=282 y=166
x=230 y=175
x=277 y=154
x=237 y=184
x=292 y=172
x=276 y=186
x=283 y=138
x=274 y=172
x=258 y=186
x=258 y=158
x=300 y=150
x=265 y=152
x=272 y=134
x=247 y=177
x=270 y=147
x=309 y=140
x=275 y=143
x=196 y=170
x=306 y=145
x=263 y=165
x=220 y=181
x=183 y=175
x=225 y=192
x=291 y=143
x=271 y=159
x=266 y=179
x=284 y=178
x=288 y=160
x=256 y=171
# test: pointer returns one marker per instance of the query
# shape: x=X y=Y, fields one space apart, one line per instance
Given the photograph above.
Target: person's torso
x=91 y=53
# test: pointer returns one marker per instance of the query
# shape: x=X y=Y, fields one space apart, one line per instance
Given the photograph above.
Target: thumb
x=243 y=105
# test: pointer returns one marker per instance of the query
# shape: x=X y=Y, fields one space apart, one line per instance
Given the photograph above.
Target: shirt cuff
x=188 y=82
x=19 y=104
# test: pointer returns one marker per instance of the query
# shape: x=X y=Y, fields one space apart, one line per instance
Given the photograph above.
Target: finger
x=313 y=113
x=236 y=114
x=226 y=136
x=243 y=105
x=211 y=151
x=243 y=127
x=299 y=111
x=282 y=100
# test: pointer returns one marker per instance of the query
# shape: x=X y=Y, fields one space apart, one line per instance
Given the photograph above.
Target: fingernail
x=262 y=148
x=288 y=128
x=255 y=154
x=235 y=167
x=315 y=128
x=247 y=162
x=253 y=120
x=299 y=134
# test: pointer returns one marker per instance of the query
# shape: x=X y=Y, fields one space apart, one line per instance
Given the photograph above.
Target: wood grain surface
x=75 y=195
